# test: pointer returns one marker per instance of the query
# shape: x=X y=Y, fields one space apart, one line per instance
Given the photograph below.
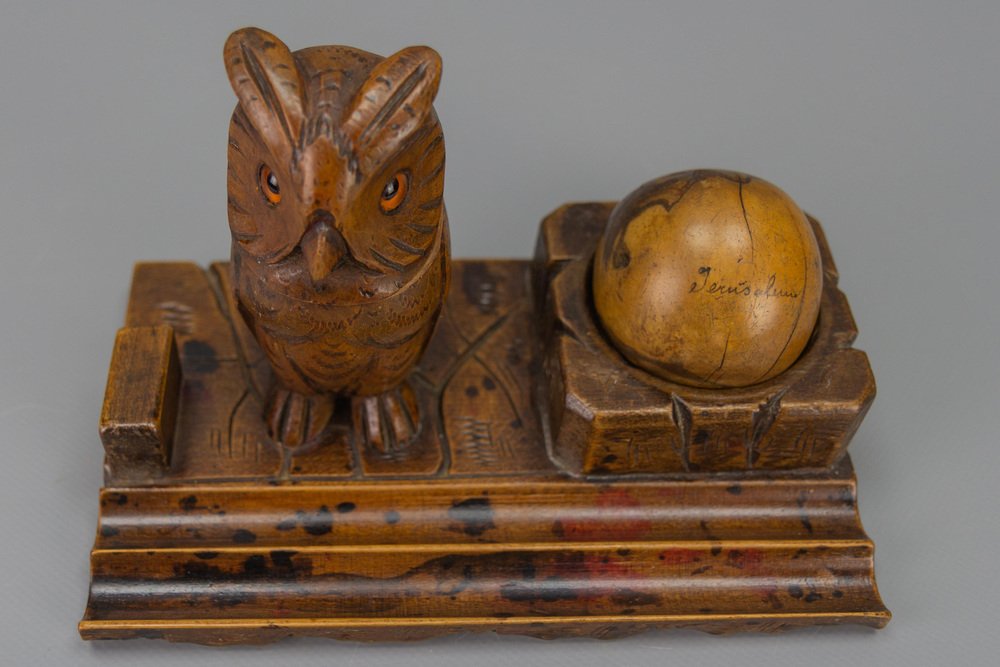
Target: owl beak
x=322 y=245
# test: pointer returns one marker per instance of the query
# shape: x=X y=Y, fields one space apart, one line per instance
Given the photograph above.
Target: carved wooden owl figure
x=340 y=237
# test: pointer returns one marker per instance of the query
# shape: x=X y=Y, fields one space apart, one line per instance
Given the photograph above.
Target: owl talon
x=389 y=422
x=296 y=420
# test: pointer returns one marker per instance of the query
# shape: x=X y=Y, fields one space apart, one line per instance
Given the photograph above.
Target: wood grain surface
x=485 y=523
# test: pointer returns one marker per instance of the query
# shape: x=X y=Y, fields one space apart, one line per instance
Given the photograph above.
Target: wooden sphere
x=708 y=278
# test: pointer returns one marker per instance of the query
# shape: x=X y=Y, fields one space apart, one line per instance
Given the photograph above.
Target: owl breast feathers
x=340 y=237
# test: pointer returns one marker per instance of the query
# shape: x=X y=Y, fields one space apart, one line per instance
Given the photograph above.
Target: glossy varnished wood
x=708 y=278
x=606 y=416
x=474 y=385
x=340 y=253
x=239 y=538
x=396 y=560
x=140 y=404
x=342 y=433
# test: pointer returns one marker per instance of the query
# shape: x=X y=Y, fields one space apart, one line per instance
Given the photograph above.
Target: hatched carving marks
x=486 y=421
x=473 y=383
x=177 y=315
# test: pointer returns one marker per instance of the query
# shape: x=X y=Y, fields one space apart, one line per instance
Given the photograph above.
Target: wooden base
x=225 y=563
x=211 y=532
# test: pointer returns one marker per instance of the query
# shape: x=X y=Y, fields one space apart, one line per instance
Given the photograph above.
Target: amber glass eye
x=268 y=184
x=394 y=192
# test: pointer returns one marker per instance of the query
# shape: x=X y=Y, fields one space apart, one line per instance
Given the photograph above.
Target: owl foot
x=388 y=422
x=296 y=420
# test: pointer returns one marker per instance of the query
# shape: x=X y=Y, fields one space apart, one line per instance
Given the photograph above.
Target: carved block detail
x=140 y=403
x=602 y=409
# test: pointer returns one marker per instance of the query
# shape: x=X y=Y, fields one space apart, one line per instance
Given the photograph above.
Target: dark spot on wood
x=188 y=503
x=610 y=458
x=344 y=508
x=392 y=517
x=813 y=596
x=503 y=614
x=621 y=259
x=282 y=558
x=206 y=555
x=624 y=553
x=475 y=515
x=224 y=600
x=121 y=499
x=716 y=550
x=317 y=523
x=551 y=589
x=197 y=570
x=471 y=391
x=255 y=566
x=700 y=437
x=734 y=489
x=286 y=524
x=200 y=357
x=838 y=594
x=517 y=423
x=108 y=531
x=243 y=536
x=701 y=570
x=631 y=598
x=489 y=384
x=795 y=591
x=800 y=553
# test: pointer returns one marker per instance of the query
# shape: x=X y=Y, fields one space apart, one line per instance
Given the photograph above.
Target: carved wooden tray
x=210 y=532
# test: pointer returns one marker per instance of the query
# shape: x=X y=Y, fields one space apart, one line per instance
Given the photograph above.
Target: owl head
x=336 y=157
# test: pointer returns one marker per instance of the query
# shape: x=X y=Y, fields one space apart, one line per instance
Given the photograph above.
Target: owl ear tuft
x=396 y=98
x=266 y=80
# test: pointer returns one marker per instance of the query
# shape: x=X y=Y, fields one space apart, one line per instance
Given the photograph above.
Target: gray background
x=879 y=118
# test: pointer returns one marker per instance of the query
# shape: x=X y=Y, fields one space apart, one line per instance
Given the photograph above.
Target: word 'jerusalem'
x=720 y=289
